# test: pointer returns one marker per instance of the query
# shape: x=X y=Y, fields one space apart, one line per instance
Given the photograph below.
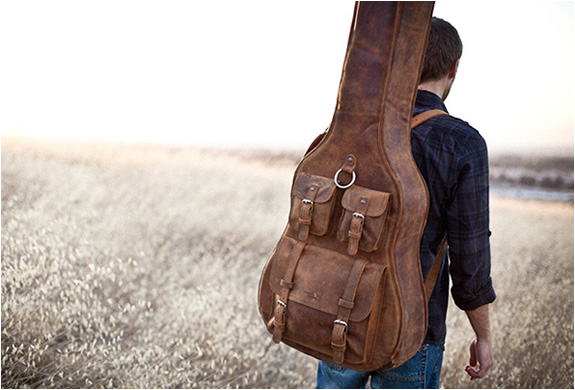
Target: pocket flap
x=304 y=182
x=320 y=279
x=377 y=200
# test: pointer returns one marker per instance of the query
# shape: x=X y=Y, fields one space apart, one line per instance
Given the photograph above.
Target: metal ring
x=347 y=185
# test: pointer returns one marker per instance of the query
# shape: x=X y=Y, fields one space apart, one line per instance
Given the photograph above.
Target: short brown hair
x=444 y=48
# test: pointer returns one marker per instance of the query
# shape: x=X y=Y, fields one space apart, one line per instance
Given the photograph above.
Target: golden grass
x=137 y=267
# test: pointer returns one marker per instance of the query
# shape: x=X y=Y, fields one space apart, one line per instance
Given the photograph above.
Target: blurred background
x=262 y=74
x=122 y=235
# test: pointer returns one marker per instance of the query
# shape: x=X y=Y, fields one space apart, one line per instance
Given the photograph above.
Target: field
x=137 y=267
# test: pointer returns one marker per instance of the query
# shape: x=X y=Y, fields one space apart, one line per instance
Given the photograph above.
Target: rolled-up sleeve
x=468 y=228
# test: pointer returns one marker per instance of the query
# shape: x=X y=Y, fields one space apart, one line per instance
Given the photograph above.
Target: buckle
x=280 y=315
x=341 y=322
x=279 y=319
x=360 y=216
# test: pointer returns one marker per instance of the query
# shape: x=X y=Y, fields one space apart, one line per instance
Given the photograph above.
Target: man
x=452 y=158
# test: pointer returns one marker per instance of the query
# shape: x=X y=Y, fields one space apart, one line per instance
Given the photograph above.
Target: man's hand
x=480 y=355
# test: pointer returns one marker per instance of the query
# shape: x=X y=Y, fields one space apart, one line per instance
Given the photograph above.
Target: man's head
x=444 y=49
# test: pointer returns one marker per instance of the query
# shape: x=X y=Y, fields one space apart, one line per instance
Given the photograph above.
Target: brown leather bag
x=344 y=284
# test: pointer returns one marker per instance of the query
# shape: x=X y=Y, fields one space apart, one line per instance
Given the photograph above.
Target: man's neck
x=442 y=86
x=437 y=87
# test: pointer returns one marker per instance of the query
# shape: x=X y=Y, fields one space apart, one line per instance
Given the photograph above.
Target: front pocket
x=326 y=301
x=312 y=204
x=363 y=221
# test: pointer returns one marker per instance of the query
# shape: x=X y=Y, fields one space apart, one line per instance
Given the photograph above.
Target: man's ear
x=453 y=70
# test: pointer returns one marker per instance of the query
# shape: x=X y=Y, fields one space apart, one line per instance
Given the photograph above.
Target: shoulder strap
x=431 y=277
x=425 y=116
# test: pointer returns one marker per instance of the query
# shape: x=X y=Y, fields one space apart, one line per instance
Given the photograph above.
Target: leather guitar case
x=344 y=283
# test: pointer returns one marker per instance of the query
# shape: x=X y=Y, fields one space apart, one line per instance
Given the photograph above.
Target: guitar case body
x=344 y=283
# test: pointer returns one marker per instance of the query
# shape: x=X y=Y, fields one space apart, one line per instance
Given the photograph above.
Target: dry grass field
x=137 y=267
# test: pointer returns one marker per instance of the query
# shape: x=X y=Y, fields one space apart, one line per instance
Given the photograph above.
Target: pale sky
x=261 y=74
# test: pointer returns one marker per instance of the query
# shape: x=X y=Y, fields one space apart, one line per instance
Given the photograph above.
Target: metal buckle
x=282 y=303
x=341 y=322
x=307 y=201
x=359 y=215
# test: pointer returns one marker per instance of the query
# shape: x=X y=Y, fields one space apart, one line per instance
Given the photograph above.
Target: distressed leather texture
x=313 y=201
x=363 y=219
x=344 y=283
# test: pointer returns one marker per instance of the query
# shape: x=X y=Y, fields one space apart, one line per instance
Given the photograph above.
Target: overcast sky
x=261 y=74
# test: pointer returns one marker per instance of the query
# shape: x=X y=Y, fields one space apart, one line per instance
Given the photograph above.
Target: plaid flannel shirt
x=452 y=157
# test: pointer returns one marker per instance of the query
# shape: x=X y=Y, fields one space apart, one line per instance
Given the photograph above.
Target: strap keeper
x=338 y=347
x=354 y=235
x=345 y=304
x=285 y=284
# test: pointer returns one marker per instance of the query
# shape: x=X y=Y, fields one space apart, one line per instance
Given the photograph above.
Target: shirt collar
x=426 y=100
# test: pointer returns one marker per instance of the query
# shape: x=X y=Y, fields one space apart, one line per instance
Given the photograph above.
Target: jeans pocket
x=410 y=374
x=421 y=371
x=330 y=376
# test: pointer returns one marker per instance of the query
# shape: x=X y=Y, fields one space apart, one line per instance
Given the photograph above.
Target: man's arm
x=469 y=247
x=480 y=349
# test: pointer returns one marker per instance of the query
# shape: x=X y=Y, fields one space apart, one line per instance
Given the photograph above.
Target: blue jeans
x=422 y=371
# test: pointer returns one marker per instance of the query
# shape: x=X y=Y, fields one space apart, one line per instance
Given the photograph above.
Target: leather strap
x=425 y=116
x=286 y=285
x=349 y=164
x=348 y=168
x=431 y=277
x=346 y=303
x=306 y=210
x=356 y=226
